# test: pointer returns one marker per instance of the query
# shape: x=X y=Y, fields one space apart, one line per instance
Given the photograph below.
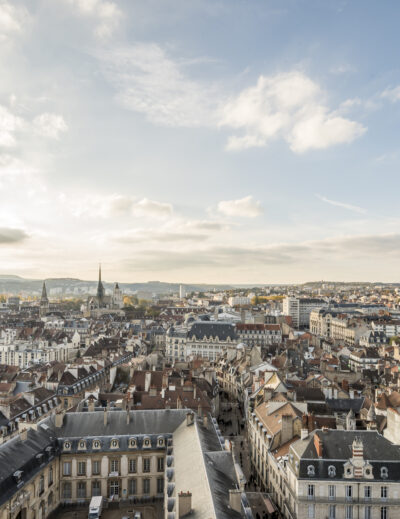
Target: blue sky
x=209 y=141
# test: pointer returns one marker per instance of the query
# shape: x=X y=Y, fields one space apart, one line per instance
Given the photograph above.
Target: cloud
x=9 y=125
x=148 y=81
x=9 y=235
x=393 y=94
x=12 y=19
x=117 y=205
x=50 y=125
x=355 y=248
x=106 y=14
x=245 y=207
x=350 y=207
x=288 y=106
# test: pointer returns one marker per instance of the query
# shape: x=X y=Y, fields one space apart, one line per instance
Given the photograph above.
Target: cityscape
x=199 y=259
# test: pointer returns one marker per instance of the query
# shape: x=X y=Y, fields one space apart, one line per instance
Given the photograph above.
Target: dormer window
x=384 y=473
x=82 y=445
x=147 y=443
x=132 y=443
x=311 y=470
x=331 y=471
x=160 y=441
x=114 y=443
x=96 y=444
x=67 y=446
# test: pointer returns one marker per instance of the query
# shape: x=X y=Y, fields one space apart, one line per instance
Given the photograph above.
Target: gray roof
x=212 y=329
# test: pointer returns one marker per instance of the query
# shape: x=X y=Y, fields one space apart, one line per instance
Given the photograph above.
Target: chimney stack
x=59 y=419
x=105 y=415
x=184 y=503
x=318 y=445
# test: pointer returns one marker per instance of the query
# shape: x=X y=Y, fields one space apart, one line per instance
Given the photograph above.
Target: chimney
x=194 y=390
x=105 y=415
x=286 y=428
x=59 y=419
x=200 y=410
x=318 y=445
x=358 y=448
x=163 y=392
x=205 y=420
x=24 y=435
x=235 y=500
x=184 y=503
x=147 y=381
x=91 y=405
x=189 y=419
x=128 y=416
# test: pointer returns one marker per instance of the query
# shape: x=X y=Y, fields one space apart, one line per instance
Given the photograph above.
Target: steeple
x=100 y=288
x=44 y=300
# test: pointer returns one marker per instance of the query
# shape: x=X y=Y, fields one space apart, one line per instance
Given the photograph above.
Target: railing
x=384 y=501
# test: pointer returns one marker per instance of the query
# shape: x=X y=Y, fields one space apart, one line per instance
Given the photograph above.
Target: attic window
x=311 y=470
x=96 y=444
x=384 y=473
x=82 y=444
x=160 y=442
x=146 y=442
x=114 y=443
x=67 y=446
x=132 y=443
x=331 y=471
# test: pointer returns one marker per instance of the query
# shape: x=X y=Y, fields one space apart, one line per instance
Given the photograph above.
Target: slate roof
x=212 y=329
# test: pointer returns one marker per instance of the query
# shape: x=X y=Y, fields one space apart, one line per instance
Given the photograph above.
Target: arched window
x=331 y=471
x=114 y=443
x=310 y=470
x=384 y=473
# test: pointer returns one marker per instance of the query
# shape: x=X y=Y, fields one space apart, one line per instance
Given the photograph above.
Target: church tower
x=118 y=300
x=100 y=290
x=44 y=301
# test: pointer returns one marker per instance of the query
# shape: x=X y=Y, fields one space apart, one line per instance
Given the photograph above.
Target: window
x=367 y=492
x=114 y=487
x=384 y=492
x=146 y=442
x=160 y=464
x=82 y=444
x=331 y=471
x=367 y=512
x=311 y=491
x=384 y=473
x=132 y=466
x=332 y=511
x=311 y=470
x=349 y=491
x=311 y=511
x=95 y=467
x=132 y=443
x=114 y=466
x=81 y=468
x=67 y=446
x=67 y=490
x=384 y=512
x=96 y=444
x=114 y=444
x=132 y=487
x=81 y=489
x=146 y=486
x=332 y=492
x=146 y=464
x=51 y=477
x=96 y=488
x=160 y=485
x=41 y=485
x=349 y=512
x=67 y=468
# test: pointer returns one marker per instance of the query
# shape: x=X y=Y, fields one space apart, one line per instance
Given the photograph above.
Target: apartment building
x=259 y=334
x=299 y=309
x=338 y=474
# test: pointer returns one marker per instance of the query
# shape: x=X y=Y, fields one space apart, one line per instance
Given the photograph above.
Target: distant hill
x=11 y=284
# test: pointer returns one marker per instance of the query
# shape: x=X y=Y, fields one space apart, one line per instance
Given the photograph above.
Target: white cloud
x=148 y=81
x=107 y=15
x=288 y=106
x=9 y=125
x=12 y=19
x=245 y=207
x=50 y=125
x=393 y=94
x=117 y=205
x=343 y=205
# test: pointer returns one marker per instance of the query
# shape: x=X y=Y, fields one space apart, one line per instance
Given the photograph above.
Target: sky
x=212 y=141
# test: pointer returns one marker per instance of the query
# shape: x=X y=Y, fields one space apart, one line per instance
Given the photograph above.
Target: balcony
x=348 y=500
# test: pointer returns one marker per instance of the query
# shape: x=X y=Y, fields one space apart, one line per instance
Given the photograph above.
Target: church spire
x=100 y=287
x=44 y=299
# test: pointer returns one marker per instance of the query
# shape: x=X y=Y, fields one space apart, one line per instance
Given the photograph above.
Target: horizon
x=268 y=150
